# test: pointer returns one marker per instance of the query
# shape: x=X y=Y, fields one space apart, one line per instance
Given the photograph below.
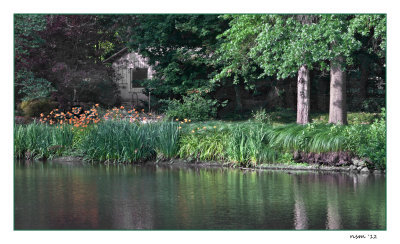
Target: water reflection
x=84 y=196
x=300 y=214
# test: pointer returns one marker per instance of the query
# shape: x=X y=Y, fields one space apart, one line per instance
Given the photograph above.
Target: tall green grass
x=122 y=141
x=310 y=138
x=249 y=145
x=41 y=141
x=243 y=143
x=166 y=143
x=203 y=146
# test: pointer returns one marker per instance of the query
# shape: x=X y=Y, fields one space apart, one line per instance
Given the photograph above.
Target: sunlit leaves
x=280 y=44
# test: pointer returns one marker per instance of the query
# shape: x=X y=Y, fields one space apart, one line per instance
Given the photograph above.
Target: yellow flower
x=215 y=126
x=192 y=131
x=189 y=120
x=185 y=120
x=204 y=127
x=179 y=127
x=176 y=119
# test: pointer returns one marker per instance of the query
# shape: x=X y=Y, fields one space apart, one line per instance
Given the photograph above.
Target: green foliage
x=373 y=104
x=31 y=87
x=236 y=42
x=33 y=108
x=261 y=116
x=371 y=24
x=194 y=107
x=373 y=145
x=286 y=158
x=280 y=44
x=26 y=28
x=181 y=45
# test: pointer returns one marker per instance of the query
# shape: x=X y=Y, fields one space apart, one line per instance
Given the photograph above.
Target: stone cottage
x=130 y=68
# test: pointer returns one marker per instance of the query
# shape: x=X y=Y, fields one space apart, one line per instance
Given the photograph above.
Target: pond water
x=82 y=196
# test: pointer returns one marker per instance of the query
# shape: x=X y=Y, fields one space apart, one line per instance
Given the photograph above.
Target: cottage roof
x=118 y=54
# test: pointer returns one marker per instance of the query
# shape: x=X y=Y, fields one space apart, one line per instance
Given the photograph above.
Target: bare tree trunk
x=303 y=95
x=337 y=101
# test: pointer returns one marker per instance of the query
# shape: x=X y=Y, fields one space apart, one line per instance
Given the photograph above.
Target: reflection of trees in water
x=132 y=205
x=150 y=198
x=300 y=214
x=333 y=219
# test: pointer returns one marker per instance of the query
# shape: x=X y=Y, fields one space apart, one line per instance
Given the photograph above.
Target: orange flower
x=41 y=115
x=96 y=105
x=122 y=107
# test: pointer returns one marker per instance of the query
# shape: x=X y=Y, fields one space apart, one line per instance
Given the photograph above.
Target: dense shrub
x=33 y=108
x=374 y=144
x=194 y=107
x=261 y=116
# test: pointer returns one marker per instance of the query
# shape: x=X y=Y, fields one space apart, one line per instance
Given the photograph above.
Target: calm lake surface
x=82 y=196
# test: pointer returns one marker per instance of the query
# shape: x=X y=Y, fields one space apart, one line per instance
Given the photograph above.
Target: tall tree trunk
x=303 y=95
x=337 y=101
x=239 y=106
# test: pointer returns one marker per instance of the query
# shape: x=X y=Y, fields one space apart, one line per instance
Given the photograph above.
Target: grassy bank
x=242 y=143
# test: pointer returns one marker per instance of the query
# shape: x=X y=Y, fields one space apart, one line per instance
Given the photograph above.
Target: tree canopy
x=280 y=44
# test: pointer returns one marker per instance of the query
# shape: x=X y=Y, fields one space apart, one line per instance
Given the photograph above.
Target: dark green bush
x=194 y=107
x=374 y=143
